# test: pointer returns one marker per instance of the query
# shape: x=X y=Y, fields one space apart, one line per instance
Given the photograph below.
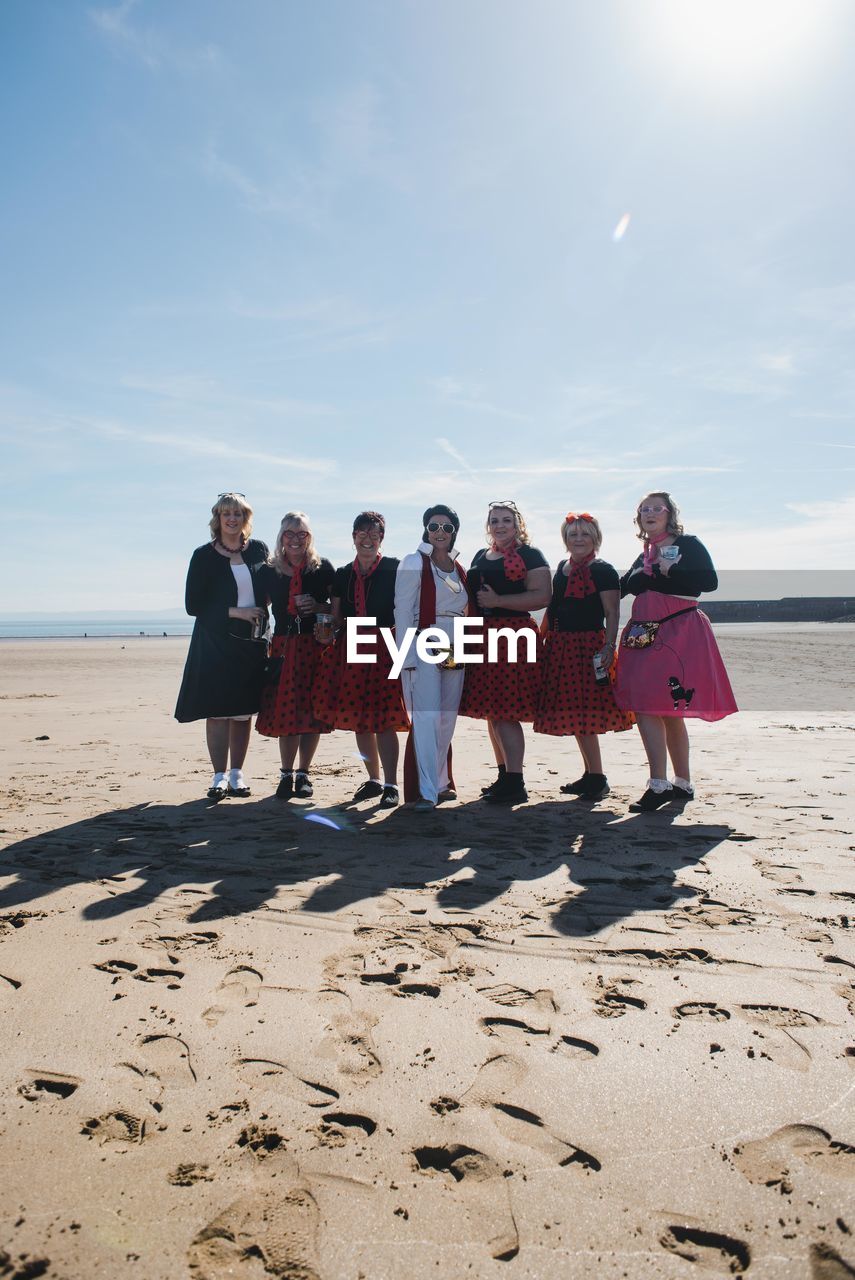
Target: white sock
x=219 y=780
x=302 y=773
x=684 y=783
x=285 y=773
x=236 y=779
x=658 y=785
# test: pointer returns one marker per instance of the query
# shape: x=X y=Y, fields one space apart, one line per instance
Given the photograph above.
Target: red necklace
x=230 y=551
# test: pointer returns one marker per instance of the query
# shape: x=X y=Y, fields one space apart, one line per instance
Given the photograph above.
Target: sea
x=47 y=628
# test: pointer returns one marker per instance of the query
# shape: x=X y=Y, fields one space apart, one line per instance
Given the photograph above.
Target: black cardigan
x=211 y=588
x=692 y=574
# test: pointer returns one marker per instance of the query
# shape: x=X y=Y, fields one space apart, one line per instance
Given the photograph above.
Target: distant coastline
x=788 y=609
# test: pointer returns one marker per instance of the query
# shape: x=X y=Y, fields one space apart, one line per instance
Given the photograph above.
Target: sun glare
x=741 y=45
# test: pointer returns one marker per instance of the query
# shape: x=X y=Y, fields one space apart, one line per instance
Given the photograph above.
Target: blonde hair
x=519 y=522
x=277 y=558
x=590 y=524
x=228 y=502
x=674 y=526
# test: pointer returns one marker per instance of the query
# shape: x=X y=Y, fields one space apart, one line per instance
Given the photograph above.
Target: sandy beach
x=319 y=1041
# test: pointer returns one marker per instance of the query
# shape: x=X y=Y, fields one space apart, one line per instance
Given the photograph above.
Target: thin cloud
x=193 y=389
x=468 y=396
x=205 y=447
x=150 y=46
x=448 y=447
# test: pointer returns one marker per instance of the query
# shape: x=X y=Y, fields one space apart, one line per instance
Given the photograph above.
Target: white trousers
x=432 y=697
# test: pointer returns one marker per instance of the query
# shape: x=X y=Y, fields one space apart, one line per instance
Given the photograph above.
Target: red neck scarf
x=427 y=596
x=515 y=569
x=579 y=580
x=651 y=552
x=359 y=583
x=296 y=587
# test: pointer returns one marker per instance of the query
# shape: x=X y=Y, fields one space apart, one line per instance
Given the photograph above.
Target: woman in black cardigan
x=225 y=664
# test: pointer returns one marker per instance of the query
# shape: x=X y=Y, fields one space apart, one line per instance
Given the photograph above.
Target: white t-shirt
x=243 y=578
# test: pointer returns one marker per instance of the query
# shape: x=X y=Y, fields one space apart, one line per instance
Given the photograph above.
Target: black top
x=316 y=582
x=379 y=591
x=211 y=588
x=491 y=573
x=585 y=614
x=693 y=574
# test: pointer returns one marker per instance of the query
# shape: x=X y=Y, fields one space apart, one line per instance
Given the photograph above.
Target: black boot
x=511 y=791
x=497 y=783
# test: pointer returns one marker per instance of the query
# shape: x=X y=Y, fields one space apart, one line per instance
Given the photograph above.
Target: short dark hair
x=367 y=520
x=440 y=509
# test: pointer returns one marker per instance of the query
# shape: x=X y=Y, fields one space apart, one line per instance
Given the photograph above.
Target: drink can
x=325 y=626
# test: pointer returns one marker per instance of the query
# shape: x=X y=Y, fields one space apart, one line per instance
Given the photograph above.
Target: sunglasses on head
x=231 y=493
x=435 y=526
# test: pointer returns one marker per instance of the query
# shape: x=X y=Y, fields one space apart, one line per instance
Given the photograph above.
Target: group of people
x=582 y=680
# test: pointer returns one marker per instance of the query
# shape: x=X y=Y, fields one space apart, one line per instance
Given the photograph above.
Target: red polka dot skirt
x=356 y=695
x=571 y=701
x=503 y=690
x=286 y=706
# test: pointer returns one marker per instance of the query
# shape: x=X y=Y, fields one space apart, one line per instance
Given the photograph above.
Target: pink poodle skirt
x=681 y=673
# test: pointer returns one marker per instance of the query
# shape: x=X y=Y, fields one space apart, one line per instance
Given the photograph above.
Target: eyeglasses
x=375 y=534
x=580 y=515
x=651 y=511
x=231 y=493
x=295 y=535
x=435 y=526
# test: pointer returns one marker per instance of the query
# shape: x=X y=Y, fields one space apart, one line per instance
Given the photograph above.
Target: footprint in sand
x=701 y=1011
x=573 y=1047
x=707 y=1249
x=260 y=1234
x=168 y=1058
x=238 y=990
x=513 y=997
x=48 y=1084
x=826 y=1264
x=513 y=1031
x=115 y=1126
x=483 y=1190
x=772 y=1161
x=267 y=1075
x=614 y=1000
x=492 y=1089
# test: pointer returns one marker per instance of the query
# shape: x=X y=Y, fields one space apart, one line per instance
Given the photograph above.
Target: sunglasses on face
x=435 y=526
x=651 y=511
x=295 y=535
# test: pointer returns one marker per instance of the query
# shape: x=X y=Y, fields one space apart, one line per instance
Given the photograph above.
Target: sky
x=347 y=254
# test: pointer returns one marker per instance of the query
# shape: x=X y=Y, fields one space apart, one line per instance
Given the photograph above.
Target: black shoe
x=390 y=798
x=219 y=792
x=682 y=794
x=576 y=788
x=497 y=782
x=368 y=791
x=512 y=791
x=285 y=790
x=596 y=787
x=652 y=800
x=303 y=788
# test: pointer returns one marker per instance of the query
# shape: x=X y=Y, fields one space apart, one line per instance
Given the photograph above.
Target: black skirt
x=223 y=674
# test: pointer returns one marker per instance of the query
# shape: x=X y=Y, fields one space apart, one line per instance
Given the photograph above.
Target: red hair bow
x=577 y=515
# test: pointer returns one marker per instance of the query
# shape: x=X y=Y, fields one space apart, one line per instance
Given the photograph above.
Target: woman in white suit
x=430 y=591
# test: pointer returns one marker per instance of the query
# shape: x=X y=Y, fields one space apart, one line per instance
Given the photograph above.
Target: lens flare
x=325 y=822
x=621 y=228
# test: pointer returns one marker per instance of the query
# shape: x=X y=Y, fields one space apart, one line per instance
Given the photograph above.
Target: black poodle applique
x=679 y=694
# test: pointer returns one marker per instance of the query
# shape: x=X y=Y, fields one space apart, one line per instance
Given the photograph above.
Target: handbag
x=642 y=635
